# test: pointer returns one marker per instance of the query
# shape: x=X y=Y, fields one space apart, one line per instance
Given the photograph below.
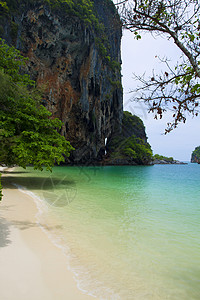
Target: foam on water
x=55 y=238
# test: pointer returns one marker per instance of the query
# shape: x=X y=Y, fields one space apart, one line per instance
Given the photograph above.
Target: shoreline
x=32 y=266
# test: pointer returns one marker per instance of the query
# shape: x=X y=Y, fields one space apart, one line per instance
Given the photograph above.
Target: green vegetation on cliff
x=130 y=145
x=27 y=134
x=64 y=59
x=196 y=155
x=161 y=157
x=133 y=124
x=82 y=9
x=132 y=150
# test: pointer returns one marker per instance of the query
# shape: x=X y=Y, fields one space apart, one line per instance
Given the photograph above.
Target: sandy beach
x=31 y=266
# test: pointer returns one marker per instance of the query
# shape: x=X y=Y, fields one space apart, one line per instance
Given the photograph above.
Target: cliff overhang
x=74 y=57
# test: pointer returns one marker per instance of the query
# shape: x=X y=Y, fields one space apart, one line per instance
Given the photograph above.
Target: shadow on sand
x=14 y=172
x=4 y=233
x=36 y=183
x=23 y=225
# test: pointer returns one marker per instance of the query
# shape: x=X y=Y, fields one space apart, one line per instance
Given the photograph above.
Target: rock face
x=164 y=160
x=81 y=86
x=129 y=146
x=195 y=157
x=167 y=162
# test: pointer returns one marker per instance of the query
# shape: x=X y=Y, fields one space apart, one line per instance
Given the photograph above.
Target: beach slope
x=32 y=267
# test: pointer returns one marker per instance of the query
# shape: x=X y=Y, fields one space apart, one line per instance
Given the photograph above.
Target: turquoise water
x=128 y=232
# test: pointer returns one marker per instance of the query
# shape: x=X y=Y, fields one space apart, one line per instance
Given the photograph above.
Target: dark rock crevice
x=66 y=62
x=82 y=86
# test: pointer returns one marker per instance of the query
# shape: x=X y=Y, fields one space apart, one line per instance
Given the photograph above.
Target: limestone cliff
x=76 y=65
x=129 y=146
x=164 y=160
x=195 y=157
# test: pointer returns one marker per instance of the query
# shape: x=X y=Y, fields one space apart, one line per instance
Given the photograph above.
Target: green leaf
x=27 y=134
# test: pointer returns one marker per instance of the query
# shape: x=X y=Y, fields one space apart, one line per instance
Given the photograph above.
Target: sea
x=128 y=232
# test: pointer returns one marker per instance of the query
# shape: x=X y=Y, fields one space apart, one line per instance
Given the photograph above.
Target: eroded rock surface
x=80 y=87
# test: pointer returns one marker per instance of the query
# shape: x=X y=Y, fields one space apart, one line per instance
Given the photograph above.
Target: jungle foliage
x=161 y=157
x=84 y=10
x=129 y=144
x=196 y=155
x=27 y=133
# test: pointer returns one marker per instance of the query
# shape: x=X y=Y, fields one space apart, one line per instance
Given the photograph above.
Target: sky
x=140 y=56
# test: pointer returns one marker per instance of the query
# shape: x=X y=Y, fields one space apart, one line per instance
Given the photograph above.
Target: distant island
x=195 y=158
x=160 y=159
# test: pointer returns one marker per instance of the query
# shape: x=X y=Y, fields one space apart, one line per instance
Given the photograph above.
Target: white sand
x=31 y=266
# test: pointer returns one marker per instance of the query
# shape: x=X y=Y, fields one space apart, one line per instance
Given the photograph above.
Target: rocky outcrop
x=163 y=160
x=166 y=162
x=81 y=82
x=129 y=146
x=195 y=157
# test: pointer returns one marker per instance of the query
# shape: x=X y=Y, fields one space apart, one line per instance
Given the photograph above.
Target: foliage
x=197 y=151
x=177 y=88
x=3 y=7
x=27 y=134
x=82 y=9
x=161 y=157
x=14 y=30
x=115 y=83
x=11 y=62
x=129 y=146
x=114 y=65
x=132 y=121
x=196 y=155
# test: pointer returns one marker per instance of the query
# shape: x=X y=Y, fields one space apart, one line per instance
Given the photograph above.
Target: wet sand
x=31 y=266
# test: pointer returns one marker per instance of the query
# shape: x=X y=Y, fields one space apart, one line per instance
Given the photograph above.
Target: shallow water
x=128 y=232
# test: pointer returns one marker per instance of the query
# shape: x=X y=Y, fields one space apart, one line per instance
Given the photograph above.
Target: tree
x=27 y=133
x=177 y=88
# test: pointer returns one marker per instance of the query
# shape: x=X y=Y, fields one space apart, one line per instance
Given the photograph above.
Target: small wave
x=55 y=239
x=38 y=201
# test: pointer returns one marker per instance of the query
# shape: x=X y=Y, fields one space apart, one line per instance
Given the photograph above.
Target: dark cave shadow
x=4 y=233
x=36 y=183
